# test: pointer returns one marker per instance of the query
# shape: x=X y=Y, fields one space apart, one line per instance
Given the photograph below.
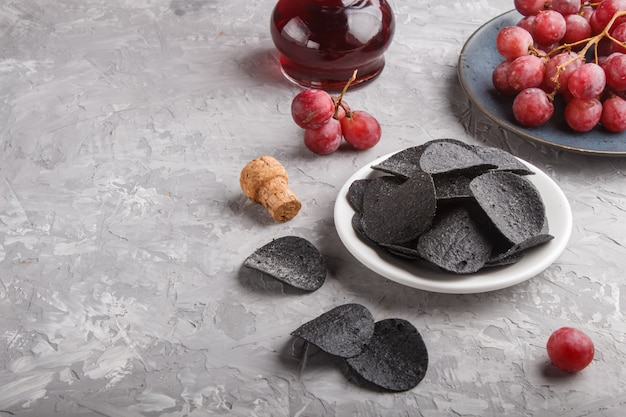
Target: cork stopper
x=264 y=180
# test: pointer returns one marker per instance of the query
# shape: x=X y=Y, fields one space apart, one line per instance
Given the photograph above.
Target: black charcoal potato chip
x=456 y=242
x=292 y=260
x=342 y=331
x=502 y=160
x=398 y=214
x=379 y=186
x=396 y=357
x=357 y=225
x=505 y=259
x=447 y=156
x=406 y=163
x=453 y=186
x=534 y=241
x=518 y=250
x=512 y=203
x=355 y=193
x=408 y=250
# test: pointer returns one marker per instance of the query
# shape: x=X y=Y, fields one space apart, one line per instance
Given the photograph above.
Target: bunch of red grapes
x=570 y=48
x=328 y=120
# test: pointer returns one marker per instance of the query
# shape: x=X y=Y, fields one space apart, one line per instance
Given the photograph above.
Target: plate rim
x=522 y=132
x=486 y=281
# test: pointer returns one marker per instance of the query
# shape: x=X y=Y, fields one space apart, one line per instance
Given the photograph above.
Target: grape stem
x=588 y=42
x=339 y=103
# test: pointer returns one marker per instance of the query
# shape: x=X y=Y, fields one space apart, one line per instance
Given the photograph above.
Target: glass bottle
x=322 y=42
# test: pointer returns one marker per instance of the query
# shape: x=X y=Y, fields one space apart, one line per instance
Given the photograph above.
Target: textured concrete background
x=124 y=125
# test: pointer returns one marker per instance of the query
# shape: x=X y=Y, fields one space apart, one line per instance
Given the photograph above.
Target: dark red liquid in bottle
x=322 y=42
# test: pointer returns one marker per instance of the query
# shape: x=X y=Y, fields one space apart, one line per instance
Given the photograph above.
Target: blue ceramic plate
x=479 y=57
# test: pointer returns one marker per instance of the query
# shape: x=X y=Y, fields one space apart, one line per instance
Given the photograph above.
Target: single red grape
x=604 y=47
x=605 y=11
x=312 y=108
x=566 y=7
x=619 y=33
x=596 y=26
x=532 y=107
x=526 y=23
x=570 y=349
x=499 y=78
x=577 y=28
x=341 y=108
x=615 y=70
x=513 y=41
x=543 y=49
x=325 y=139
x=570 y=61
x=614 y=114
x=587 y=81
x=602 y=60
x=582 y=115
x=586 y=12
x=525 y=72
x=548 y=27
x=360 y=129
x=529 y=7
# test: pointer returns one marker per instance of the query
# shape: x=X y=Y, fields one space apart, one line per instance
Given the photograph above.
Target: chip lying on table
x=389 y=353
x=292 y=260
x=460 y=207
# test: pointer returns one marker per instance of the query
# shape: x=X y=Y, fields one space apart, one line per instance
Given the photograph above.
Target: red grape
x=615 y=70
x=614 y=114
x=566 y=7
x=513 y=41
x=325 y=139
x=570 y=349
x=596 y=26
x=587 y=81
x=543 y=49
x=361 y=129
x=548 y=27
x=577 y=28
x=605 y=11
x=342 y=108
x=604 y=47
x=532 y=107
x=499 y=78
x=552 y=68
x=582 y=115
x=586 y=12
x=619 y=33
x=526 y=23
x=529 y=7
x=312 y=108
x=525 y=72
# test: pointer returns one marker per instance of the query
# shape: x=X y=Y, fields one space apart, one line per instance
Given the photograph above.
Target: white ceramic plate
x=427 y=277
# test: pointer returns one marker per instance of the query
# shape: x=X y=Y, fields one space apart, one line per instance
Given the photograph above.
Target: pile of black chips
x=460 y=207
x=390 y=353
